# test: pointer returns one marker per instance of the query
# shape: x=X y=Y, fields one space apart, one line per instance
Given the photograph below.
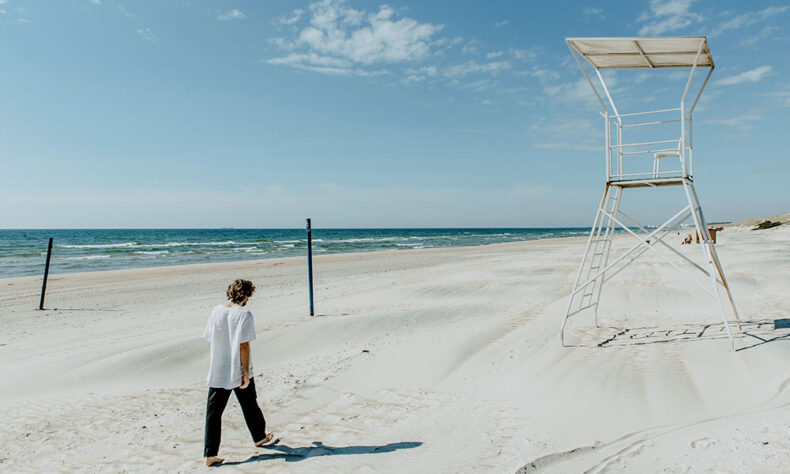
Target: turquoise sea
x=23 y=252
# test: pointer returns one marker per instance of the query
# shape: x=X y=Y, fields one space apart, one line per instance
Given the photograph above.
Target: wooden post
x=46 y=274
x=310 y=265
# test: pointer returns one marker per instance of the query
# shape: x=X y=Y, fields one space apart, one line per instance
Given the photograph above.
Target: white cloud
x=544 y=74
x=678 y=75
x=234 y=14
x=312 y=59
x=576 y=92
x=479 y=85
x=471 y=47
x=741 y=122
x=667 y=15
x=747 y=19
x=766 y=32
x=500 y=24
x=568 y=133
x=448 y=42
x=737 y=127
x=331 y=37
x=753 y=75
x=145 y=33
x=471 y=67
x=325 y=65
x=523 y=54
x=125 y=12
x=781 y=97
x=594 y=13
x=92 y=2
x=296 y=15
x=382 y=39
x=281 y=43
x=357 y=38
x=420 y=74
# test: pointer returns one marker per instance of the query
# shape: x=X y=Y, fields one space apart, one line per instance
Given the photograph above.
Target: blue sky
x=184 y=113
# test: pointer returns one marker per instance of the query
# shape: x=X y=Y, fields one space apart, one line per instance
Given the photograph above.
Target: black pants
x=217 y=400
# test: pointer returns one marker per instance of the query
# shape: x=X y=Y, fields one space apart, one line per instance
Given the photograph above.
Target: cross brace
x=595 y=269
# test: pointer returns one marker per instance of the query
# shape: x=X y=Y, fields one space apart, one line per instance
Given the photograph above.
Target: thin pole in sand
x=310 y=265
x=46 y=274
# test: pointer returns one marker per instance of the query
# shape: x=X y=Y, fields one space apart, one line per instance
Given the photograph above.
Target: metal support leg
x=726 y=287
x=595 y=268
x=708 y=252
x=595 y=230
x=717 y=263
x=607 y=248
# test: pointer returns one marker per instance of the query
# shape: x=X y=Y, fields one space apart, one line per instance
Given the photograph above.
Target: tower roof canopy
x=643 y=53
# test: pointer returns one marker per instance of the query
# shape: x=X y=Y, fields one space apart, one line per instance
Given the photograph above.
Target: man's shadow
x=320 y=449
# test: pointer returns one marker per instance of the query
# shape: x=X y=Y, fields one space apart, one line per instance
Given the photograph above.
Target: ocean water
x=23 y=252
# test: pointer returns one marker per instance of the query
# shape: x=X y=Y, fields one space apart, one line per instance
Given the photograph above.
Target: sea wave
x=367 y=239
x=186 y=244
x=87 y=257
x=97 y=246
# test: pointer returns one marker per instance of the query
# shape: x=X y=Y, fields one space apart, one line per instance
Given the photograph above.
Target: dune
x=438 y=360
x=780 y=219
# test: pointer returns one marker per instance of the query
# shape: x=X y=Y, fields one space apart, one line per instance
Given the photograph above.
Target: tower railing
x=640 y=145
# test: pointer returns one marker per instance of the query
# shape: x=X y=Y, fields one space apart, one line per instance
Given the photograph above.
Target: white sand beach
x=443 y=360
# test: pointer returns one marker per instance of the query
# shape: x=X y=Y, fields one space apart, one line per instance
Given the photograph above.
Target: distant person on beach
x=230 y=329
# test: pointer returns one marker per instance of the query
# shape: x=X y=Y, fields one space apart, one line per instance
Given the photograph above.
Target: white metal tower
x=664 y=158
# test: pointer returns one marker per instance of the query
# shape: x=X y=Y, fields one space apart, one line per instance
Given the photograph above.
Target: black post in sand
x=46 y=274
x=310 y=265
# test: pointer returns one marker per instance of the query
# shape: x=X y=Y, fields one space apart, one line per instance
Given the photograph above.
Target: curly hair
x=240 y=290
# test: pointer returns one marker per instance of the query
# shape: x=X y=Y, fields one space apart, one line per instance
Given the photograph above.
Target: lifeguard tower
x=645 y=150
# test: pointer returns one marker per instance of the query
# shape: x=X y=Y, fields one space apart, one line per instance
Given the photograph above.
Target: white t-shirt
x=227 y=328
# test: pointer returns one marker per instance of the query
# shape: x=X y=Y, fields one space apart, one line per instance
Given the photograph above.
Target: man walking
x=230 y=329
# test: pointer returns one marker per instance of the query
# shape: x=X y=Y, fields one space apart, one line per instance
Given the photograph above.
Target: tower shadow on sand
x=752 y=334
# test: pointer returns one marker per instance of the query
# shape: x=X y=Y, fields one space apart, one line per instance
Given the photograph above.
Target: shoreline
x=141 y=250
x=278 y=258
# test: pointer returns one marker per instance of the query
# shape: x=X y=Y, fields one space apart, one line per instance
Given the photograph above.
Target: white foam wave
x=367 y=239
x=152 y=252
x=97 y=246
x=88 y=257
x=187 y=244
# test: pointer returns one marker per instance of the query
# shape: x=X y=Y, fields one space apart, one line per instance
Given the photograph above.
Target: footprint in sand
x=702 y=443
